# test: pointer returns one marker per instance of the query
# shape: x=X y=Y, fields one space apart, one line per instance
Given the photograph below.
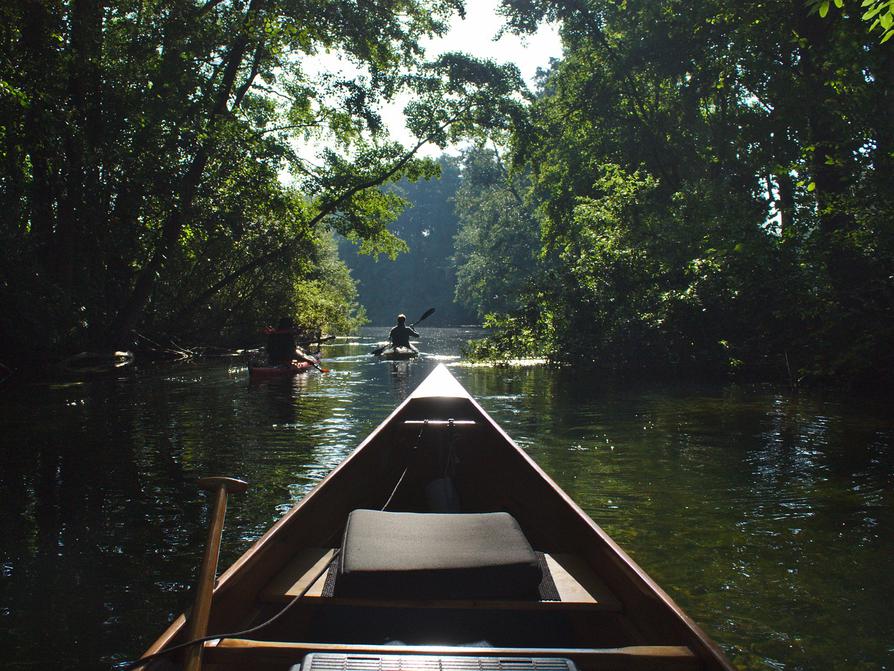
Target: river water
x=767 y=516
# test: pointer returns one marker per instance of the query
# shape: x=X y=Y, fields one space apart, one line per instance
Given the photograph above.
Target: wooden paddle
x=201 y=610
x=425 y=315
x=313 y=362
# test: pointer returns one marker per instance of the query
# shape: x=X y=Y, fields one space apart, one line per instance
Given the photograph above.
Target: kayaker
x=400 y=334
x=281 y=346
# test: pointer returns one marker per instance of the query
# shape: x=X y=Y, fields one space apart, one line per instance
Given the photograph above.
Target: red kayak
x=297 y=366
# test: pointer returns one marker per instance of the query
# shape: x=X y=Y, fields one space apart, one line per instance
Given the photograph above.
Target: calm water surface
x=767 y=516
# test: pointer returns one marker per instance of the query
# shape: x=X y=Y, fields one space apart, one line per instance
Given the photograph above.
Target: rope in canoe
x=253 y=630
x=236 y=634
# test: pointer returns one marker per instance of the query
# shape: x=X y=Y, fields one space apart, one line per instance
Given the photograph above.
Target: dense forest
x=693 y=188
x=710 y=186
x=178 y=171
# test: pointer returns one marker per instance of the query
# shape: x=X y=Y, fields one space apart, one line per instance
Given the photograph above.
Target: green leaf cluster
x=174 y=168
x=710 y=185
x=878 y=13
x=422 y=275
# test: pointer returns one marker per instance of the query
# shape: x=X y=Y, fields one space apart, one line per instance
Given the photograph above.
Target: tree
x=710 y=181
x=880 y=14
x=142 y=144
x=498 y=240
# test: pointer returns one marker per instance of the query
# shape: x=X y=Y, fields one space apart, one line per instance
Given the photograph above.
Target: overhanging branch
x=325 y=210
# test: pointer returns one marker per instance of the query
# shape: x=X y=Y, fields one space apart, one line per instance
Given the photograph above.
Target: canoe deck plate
x=340 y=662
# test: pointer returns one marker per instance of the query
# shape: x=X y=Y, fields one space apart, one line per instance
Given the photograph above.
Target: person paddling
x=281 y=346
x=400 y=334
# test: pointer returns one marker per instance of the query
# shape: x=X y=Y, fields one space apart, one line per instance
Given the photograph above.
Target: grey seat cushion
x=436 y=556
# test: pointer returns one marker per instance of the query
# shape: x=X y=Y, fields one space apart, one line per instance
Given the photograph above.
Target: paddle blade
x=425 y=315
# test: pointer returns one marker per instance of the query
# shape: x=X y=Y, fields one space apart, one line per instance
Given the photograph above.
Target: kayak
x=397 y=353
x=438 y=544
x=297 y=366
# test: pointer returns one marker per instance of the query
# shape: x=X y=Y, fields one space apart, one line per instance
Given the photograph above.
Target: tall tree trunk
x=40 y=63
x=84 y=134
x=785 y=203
x=130 y=313
x=830 y=150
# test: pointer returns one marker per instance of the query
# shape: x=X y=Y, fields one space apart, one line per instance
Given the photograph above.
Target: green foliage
x=498 y=239
x=327 y=298
x=878 y=13
x=710 y=184
x=514 y=337
x=144 y=147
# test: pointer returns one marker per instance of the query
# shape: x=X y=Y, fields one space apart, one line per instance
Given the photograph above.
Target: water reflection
x=766 y=516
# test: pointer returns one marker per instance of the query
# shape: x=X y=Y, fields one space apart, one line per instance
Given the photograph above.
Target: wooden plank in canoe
x=306 y=567
x=577 y=585
x=576 y=582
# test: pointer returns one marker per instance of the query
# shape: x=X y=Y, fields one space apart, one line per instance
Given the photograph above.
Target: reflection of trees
x=78 y=492
x=103 y=528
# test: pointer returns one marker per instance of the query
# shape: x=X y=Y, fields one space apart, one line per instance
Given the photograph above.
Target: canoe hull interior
x=609 y=613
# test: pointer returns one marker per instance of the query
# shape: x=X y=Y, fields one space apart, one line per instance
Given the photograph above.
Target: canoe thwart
x=577 y=586
x=215 y=482
x=442 y=422
x=298 y=575
x=577 y=583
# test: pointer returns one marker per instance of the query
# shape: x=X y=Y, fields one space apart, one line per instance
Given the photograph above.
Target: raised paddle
x=425 y=315
x=201 y=610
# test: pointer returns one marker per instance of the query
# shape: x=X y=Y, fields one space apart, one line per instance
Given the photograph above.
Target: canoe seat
x=387 y=555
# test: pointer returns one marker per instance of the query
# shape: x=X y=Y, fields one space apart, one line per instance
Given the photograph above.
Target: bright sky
x=473 y=35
